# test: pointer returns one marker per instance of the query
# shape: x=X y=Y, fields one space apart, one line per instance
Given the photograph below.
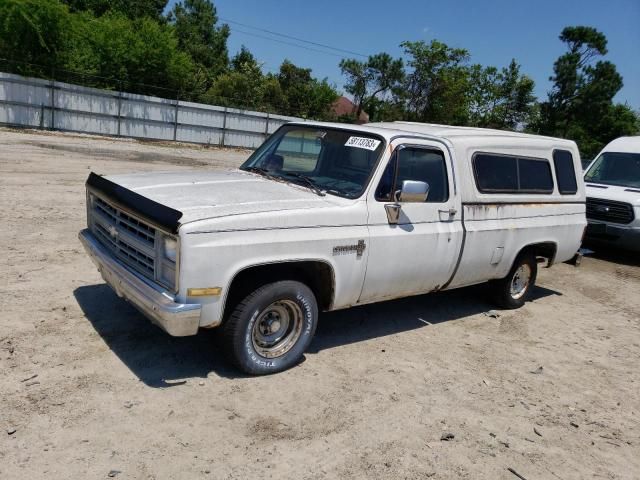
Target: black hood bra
x=162 y=216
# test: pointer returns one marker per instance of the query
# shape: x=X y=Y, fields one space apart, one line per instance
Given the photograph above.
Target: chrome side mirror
x=413 y=191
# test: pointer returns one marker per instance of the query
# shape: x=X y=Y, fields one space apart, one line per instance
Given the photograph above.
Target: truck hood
x=200 y=195
x=613 y=192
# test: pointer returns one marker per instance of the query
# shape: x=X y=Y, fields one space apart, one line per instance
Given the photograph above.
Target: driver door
x=414 y=243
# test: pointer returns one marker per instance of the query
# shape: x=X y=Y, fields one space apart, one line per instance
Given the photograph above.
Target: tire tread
x=233 y=329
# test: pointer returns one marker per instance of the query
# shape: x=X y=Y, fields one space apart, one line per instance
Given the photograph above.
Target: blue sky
x=493 y=31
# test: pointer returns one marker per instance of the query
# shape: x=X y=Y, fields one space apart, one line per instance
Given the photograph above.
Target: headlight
x=169 y=248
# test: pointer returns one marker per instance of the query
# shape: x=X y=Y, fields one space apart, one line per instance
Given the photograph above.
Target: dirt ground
x=90 y=389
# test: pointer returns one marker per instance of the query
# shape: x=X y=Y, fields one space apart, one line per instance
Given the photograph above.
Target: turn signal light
x=204 y=292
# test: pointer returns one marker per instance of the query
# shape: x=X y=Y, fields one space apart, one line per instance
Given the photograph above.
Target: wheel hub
x=277 y=329
x=520 y=281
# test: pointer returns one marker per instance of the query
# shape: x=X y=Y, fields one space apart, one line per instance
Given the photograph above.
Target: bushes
x=103 y=44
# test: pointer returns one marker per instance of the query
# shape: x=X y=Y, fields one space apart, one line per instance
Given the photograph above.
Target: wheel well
x=545 y=250
x=317 y=275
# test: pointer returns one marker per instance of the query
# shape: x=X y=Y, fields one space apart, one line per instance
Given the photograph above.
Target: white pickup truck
x=326 y=216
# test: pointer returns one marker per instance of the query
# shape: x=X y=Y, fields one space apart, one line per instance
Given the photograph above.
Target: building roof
x=344 y=106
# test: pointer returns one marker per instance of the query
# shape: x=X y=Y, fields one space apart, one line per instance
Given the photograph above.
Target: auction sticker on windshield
x=362 y=142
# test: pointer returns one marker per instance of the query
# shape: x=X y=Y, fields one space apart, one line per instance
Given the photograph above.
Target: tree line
x=438 y=84
x=132 y=45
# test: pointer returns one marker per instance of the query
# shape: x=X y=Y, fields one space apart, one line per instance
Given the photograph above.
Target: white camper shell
x=326 y=216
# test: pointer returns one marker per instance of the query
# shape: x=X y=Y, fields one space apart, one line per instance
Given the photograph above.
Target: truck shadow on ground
x=162 y=361
x=612 y=255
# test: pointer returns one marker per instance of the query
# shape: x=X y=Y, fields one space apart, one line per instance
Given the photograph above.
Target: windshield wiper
x=309 y=181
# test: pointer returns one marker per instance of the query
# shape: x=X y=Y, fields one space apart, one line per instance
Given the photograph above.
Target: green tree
x=242 y=86
x=244 y=59
x=580 y=104
x=303 y=95
x=130 y=8
x=500 y=98
x=435 y=90
x=273 y=99
x=196 y=28
x=322 y=95
x=367 y=80
x=140 y=56
x=36 y=32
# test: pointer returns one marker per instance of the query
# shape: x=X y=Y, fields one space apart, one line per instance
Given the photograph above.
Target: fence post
x=266 y=127
x=224 y=125
x=175 y=119
x=41 y=116
x=119 y=108
x=53 y=105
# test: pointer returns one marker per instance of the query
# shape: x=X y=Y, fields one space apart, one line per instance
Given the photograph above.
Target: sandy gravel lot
x=90 y=389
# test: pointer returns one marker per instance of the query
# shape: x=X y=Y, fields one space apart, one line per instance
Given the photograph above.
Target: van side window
x=414 y=163
x=509 y=174
x=565 y=172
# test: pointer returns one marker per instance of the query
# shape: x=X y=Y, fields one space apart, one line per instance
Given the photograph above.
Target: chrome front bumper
x=177 y=319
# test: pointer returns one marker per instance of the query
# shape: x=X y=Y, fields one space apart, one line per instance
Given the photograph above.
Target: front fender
x=214 y=259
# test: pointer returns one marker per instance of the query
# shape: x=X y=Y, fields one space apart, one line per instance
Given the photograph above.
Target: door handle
x=452 y=212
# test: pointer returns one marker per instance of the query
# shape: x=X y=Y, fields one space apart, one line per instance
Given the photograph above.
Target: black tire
x=502 y=289
x=248 y=331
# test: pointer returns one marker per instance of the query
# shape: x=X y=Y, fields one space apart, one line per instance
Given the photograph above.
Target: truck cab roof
x=454 y=134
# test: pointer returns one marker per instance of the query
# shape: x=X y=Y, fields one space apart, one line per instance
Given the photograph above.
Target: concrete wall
x=36 y=103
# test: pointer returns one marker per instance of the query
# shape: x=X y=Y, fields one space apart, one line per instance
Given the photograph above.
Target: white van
x=613 y=195
x=326 y=216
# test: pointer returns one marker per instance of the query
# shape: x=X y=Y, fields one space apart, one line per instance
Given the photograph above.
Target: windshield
x=612 y=168
x=326 y=160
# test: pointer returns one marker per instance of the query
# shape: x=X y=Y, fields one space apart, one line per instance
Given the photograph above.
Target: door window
x=414 y=163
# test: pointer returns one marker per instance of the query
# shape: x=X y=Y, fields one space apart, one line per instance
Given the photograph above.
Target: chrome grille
x=132 y=225
x=609 y=211
x=130 y=239
x=122 y=249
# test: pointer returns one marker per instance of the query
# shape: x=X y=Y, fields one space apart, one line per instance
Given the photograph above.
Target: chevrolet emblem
x=357 y=248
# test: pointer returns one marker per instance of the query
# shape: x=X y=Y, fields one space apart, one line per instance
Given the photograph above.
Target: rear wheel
x=513 y=290
x=271 y=328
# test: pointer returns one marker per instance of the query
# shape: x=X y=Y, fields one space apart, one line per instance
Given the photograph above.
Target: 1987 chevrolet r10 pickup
x=327 y=216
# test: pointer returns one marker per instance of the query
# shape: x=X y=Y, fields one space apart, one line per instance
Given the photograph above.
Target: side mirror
x=413 y=191
x=393 y=213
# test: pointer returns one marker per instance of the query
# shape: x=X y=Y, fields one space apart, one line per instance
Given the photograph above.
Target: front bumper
x=624 y=237
x=177 y=319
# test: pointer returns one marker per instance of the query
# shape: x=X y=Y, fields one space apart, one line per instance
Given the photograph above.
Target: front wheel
x=512 y=291
x=271 y=328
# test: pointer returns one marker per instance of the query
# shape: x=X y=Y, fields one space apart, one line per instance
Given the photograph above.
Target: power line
x=291 y=37
x=287 y=43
